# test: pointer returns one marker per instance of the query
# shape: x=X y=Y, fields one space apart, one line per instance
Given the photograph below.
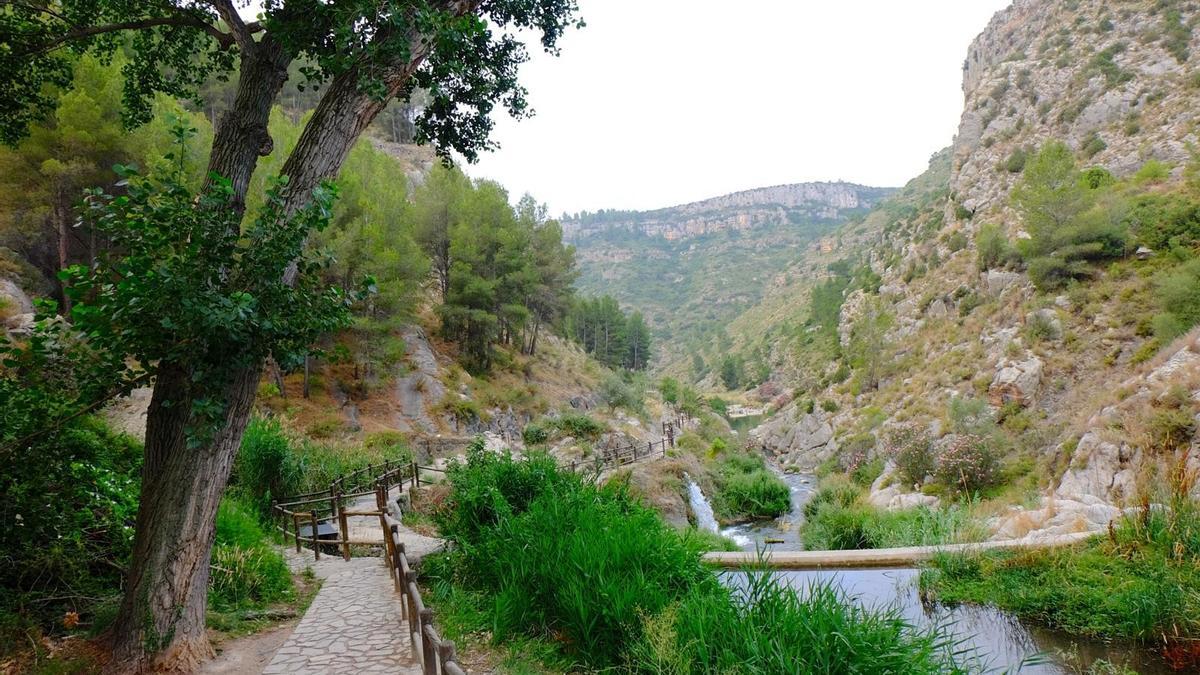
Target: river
x=1001 y=642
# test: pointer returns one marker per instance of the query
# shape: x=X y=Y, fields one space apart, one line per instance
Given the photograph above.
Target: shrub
x=535 y=434
x=669 y=388
x=971 y=416
x=1163 y=221
x=617 y=393
x=1152 y=172
x=1040 y=328
x=747 y=489
x=994 y=249
x=1179 y=293
x=834 y=490
x=1015 y=163
x=968 y=464
x=69 y=506
x=577 y=425
x=247 y=570
x=910 y=447
x=956 y=242
x=829 y=406
x=270 y=465
x=1094 y=145
x=265 y=466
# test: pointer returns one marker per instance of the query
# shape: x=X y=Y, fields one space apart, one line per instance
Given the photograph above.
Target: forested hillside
x=690 y=269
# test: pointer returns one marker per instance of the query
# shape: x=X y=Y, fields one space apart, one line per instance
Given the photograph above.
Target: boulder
x=1100 y=470
x=996 y=281
x=1016 y=381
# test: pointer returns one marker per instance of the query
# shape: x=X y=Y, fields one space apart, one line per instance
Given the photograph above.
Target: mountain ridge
x=740 y=211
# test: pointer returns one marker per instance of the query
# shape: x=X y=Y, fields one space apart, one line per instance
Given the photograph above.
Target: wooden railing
x=437 y=656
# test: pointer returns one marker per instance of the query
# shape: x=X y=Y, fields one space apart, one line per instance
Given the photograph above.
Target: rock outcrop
x=803 y=202
x=420 y=388
x=1112 y=81
x=798 y=439
x=1016 y=381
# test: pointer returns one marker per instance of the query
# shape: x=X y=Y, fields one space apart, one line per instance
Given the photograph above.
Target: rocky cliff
x=1089 y=406
x=1116 y=81
x=798 y=204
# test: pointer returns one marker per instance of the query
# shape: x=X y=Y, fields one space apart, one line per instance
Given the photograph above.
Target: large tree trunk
x=160 y=624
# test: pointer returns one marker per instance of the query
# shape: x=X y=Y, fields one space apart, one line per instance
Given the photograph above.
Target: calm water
x=743 y=424
x=1001 y=642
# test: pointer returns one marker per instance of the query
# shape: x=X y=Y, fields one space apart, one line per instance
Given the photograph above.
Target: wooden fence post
x=296 y=529
x=428 y=656
x=344 y=529
x=312 y=522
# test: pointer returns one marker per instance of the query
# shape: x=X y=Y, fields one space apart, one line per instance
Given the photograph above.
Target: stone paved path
x=352 y=626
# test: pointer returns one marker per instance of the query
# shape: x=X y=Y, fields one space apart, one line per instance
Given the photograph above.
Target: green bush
x=1094 y=145
x=1161 y=221
x=968 y=464
x=271 y=465
x=1015 y=162
x=747 y=489
x=577 y=425
x=535 y=434
x=617 y=393
x=70 y=503
x=1178 y=293
x=994 y=249
x=834 y=490
x=585 y=575
x=910 y=447
x=247 y=571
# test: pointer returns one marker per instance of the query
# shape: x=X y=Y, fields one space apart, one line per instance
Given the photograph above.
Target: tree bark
x=160 y=624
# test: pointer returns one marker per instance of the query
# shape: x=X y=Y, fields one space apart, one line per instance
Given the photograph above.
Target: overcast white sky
x=661 y=102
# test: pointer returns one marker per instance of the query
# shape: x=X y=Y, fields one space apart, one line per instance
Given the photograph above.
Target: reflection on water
x=745 y=423
x=1001 y=642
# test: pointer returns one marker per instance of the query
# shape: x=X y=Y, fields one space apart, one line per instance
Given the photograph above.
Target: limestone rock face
x=1056 y=516
x=996 y=282
x=16 y=309
x=1101 y=469
x=1033 y=75
x=802 y=440
x=852 y=309
x=738 y=211
x=1016 y=381
x=421 y=388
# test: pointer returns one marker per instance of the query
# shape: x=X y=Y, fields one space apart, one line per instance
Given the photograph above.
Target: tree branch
x=241 y=33
x=224 y=39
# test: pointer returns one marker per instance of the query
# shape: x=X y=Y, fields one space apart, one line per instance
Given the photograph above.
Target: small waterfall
x=705 y=520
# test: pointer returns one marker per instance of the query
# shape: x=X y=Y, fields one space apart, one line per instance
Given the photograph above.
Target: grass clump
x=583 y=577
x=837 y=519
x=747 y=490
x=1138 y=583
x=272 y=464
x=247 y=571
